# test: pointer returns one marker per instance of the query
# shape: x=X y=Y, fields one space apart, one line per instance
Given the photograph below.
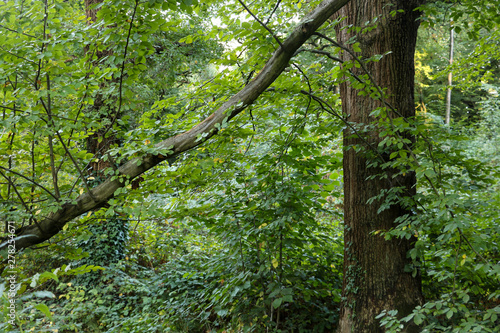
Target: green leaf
x=45 y=309
x=48 y=275
x=44 y=294
x=277 y=302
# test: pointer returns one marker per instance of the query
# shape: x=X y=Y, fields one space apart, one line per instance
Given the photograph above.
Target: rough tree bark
x=374 y=269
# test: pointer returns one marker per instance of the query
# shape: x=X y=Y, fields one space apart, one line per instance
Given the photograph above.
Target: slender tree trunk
x=374 y=269
x=450 y=79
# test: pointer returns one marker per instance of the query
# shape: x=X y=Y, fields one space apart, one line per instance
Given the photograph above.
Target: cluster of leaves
x=456 y=251
x=452 y=221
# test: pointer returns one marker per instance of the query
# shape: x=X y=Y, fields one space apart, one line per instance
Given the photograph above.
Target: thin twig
x=28 y=179
x=274 y=10
x=288 y=140
x=52 y=123
x=22 y=201
x=120 y=89
x=22 y=33
x=17 y=56
x=332 y=111
x=329 y=55
x=472 y=247
x=261 y=23
x=51 y=145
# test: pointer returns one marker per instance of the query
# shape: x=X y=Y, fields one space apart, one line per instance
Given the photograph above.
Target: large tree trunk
x=374 y=269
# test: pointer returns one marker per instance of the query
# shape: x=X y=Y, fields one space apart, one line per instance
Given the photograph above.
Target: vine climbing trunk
x=375 y=278
x=108 y=237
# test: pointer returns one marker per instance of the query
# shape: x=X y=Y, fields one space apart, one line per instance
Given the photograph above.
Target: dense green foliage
x=243 y=233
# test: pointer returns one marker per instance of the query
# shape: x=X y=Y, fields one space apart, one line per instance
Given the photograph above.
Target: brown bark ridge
x=100 y=141
x=51 y=225
x=91 y=10
x=374 y=269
